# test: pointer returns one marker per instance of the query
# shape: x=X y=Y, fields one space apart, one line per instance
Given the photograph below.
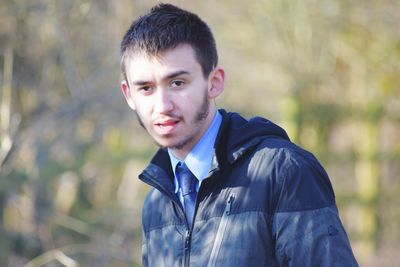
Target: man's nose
x=163 y=102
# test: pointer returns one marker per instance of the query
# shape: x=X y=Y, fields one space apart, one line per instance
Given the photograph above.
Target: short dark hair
x=165 y=27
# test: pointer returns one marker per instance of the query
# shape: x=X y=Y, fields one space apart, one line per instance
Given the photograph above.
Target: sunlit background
x=71 y=149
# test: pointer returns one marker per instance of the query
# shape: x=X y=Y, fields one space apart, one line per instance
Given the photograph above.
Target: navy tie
x=187 y=183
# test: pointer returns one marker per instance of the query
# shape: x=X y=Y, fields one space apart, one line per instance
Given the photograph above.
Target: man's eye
x=145 y=89
x=176 y=83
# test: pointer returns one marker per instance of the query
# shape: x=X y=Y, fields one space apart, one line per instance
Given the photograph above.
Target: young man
x=227 y=191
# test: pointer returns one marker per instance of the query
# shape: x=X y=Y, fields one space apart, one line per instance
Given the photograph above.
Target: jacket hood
x=244 y=134
x=236 y=137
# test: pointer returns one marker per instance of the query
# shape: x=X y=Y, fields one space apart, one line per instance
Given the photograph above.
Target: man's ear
x=216 y=82
x=127 y=94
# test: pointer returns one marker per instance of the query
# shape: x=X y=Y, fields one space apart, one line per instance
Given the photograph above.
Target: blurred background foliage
x=70 y=148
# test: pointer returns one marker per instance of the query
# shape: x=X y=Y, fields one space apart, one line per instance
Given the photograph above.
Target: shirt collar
x=200 y=157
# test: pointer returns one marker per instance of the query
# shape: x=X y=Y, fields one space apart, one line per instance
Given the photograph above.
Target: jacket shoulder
x=300 y=182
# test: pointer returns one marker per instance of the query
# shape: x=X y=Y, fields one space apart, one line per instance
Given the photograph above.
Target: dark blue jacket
x=266 y=202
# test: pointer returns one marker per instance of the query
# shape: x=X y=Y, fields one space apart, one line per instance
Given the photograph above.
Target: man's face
x=171 y=96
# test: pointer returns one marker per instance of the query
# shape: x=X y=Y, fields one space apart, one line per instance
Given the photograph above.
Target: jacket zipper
x=221 y=231
x=147 y=179
x=187 y=247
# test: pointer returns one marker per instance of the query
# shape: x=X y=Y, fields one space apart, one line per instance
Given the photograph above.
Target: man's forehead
x=140 y=55
x=140 y=63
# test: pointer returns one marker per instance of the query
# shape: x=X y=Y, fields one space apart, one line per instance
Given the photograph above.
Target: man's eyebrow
x=169 y=76
x=176 y=73
x=140 y=83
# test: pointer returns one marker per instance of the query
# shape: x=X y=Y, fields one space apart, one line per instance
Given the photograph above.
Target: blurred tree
x=328 y=71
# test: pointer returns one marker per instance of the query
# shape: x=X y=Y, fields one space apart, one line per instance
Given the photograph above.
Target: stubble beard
x=201 y=115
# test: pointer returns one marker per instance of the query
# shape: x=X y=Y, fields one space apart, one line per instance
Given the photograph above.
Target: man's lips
x=166 y=123
x=167 y=126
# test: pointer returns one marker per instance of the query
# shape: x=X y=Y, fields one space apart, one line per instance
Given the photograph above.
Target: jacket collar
x=236 y=137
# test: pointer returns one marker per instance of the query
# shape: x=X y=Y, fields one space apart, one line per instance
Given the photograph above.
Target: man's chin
x=173 y=145
x=164 y=144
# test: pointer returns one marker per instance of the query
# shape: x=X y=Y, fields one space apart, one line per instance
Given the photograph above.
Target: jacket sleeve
x=312 y=238
x=144 y=251
x=306 y=224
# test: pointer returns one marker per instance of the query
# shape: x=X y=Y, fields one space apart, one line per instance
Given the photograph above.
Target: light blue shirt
x=200 y=157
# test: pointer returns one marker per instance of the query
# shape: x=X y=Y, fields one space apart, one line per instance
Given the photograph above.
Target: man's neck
x=199 y=160
x=183 y=152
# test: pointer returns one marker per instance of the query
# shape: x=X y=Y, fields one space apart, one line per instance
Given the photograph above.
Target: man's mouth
x=167 y=126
